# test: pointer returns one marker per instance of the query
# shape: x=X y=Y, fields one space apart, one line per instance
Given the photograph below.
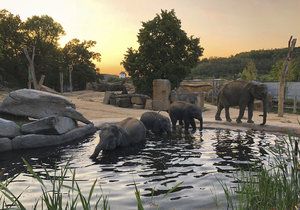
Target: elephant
x=122 y=134
x=184 y=111
x=156 y=123
x=242 y=93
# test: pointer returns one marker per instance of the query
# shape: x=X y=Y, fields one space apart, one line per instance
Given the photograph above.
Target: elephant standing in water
x=183 y=111
x=156 y=123
x=242 y=94
x=124 y=133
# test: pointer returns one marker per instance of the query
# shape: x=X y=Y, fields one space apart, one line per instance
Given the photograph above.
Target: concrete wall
x=292 y=89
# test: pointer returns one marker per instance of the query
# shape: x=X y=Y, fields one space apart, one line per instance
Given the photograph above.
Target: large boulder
x=49 y=125
x=38 y=104
x=39 y=140
x=8 y=129
x=5 y=144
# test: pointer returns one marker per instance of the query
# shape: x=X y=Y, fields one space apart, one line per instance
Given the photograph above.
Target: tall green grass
x=275 y=187
x=62 y=193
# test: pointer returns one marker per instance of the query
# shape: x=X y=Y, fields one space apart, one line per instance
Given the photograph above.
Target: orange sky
x=225 y=27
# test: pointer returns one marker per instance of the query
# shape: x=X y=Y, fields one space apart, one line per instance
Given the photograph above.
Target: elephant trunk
x=97 y=151
x=265 y=110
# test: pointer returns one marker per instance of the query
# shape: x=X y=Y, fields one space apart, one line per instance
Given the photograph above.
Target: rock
x=161 y=93
x=49 y=125
x=112 y=101
x=148 y=104
x=8 y=129
x=200 y=100
x=5 y=144
x=38 y=104
x=107 y=96
x=138 y=106
x=138 y=100
x=39 y=140
x=123 y=102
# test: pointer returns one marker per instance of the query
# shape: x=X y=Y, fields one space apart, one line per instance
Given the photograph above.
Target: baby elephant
x=183 y=111
x=156 y=123
x=127 y=132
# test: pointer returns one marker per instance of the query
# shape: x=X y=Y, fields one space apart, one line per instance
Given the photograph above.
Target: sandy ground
x=89 y=103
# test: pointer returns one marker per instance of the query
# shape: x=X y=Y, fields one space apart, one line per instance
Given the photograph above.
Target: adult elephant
x=124 y=133
x=185 y=112
x=242 y=93
x=156 y=123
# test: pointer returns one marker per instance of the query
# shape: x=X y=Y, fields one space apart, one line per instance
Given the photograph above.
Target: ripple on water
x=197 y=161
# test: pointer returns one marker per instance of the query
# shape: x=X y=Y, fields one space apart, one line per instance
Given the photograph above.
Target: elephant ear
x=157 y=125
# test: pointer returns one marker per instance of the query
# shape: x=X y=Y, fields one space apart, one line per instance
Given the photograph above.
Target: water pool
x=198 y=161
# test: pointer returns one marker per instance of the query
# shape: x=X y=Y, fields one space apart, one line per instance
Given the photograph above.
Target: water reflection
x=195 y=159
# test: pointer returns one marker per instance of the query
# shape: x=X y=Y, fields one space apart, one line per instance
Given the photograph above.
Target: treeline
x=268 y=64
x=43 y=33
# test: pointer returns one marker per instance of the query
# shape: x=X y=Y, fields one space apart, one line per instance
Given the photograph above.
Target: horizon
x=225 y=28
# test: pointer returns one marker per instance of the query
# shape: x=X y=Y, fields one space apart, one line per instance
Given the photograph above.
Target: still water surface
x=198 y=161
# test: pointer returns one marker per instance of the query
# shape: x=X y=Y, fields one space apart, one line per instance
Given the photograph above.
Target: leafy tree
x=78 y=55
x=165 y=52
x=43 y=32
x=249 y=72
x=12 y=66
x=293 y=73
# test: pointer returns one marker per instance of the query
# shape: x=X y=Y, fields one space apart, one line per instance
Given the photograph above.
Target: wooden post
x=41 y=82
x=70 y=77
x=295 y=105
x=31 y=71
x=281 y=92
x=61 y=81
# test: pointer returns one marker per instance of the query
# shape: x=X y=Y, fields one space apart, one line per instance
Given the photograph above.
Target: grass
x=276 y=186
x=62 y=193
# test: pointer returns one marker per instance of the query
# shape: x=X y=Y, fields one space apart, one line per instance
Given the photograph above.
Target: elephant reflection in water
x=233 y=149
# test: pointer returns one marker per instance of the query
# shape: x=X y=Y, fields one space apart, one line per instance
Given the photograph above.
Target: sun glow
x=224 y=27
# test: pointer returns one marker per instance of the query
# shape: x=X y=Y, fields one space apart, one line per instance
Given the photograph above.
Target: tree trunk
x=282 y=82
x=31 y=71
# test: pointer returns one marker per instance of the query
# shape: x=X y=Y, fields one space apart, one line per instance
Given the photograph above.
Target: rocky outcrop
x=39 y=140
x=38 y=104
x=8 y=129
x=49 y=125
x=5 y=144
x=56 y=121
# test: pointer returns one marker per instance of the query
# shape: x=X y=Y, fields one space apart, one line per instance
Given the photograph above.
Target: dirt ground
x=89 y=103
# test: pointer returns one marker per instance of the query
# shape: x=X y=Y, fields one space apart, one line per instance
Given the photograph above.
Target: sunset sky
x=225 y=27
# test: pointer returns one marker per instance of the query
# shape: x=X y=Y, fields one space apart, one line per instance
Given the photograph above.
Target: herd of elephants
x=132 y=131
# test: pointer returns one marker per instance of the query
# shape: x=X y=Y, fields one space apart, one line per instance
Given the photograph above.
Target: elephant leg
x=193 y=124
x=241 y=114
x=174 y=121
x=217 y=116
x=181 y=122
x=250 y=112
x=201 y=124
x=186 y=124
x=96 y=152
x=227 y=115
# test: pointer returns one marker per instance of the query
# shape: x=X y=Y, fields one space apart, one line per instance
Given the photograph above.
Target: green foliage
x=231 y=67
x=273 y=187
x=79 y=55
x=249 y=73
x=50 y=59
x=165 y=52
x=62 y=193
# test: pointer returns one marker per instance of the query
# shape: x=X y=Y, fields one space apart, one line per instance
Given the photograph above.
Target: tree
x=12 y=65
x=78 y=55
x=283 y=74
x=165 y=52
x=249 y=73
